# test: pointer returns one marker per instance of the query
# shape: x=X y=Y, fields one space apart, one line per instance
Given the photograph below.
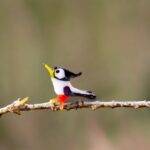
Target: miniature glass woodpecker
x=62 y=86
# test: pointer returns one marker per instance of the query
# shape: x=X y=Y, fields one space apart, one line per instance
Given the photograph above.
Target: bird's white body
x=59 y=87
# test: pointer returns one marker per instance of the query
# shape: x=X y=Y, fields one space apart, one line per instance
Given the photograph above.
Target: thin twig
x=21 y=105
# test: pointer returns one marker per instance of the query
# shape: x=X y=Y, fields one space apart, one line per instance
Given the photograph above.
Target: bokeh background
x=109 y=41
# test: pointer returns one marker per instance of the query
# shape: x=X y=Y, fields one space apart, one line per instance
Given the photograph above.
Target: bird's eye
x=57 y=71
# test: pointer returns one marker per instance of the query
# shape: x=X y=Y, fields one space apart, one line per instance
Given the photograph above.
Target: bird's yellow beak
x=50 y=70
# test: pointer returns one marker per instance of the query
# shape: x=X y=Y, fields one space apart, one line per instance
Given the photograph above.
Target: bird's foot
x=55 y=102
x=61 y=107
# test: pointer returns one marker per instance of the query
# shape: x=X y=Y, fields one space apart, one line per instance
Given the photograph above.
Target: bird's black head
x=64 y=74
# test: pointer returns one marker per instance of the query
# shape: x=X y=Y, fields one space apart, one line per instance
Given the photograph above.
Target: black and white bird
x=62 y=86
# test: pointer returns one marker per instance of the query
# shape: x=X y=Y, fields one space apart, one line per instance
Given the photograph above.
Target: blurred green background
x=109 y=41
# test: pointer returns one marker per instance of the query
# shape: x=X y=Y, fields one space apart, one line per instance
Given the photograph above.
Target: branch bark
x=21 y=105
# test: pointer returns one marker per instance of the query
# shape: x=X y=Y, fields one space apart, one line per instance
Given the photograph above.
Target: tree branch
x=21 y=105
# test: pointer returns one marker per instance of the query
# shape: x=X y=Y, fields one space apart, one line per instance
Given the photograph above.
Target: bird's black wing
x=89 y=94
x=68 y=92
